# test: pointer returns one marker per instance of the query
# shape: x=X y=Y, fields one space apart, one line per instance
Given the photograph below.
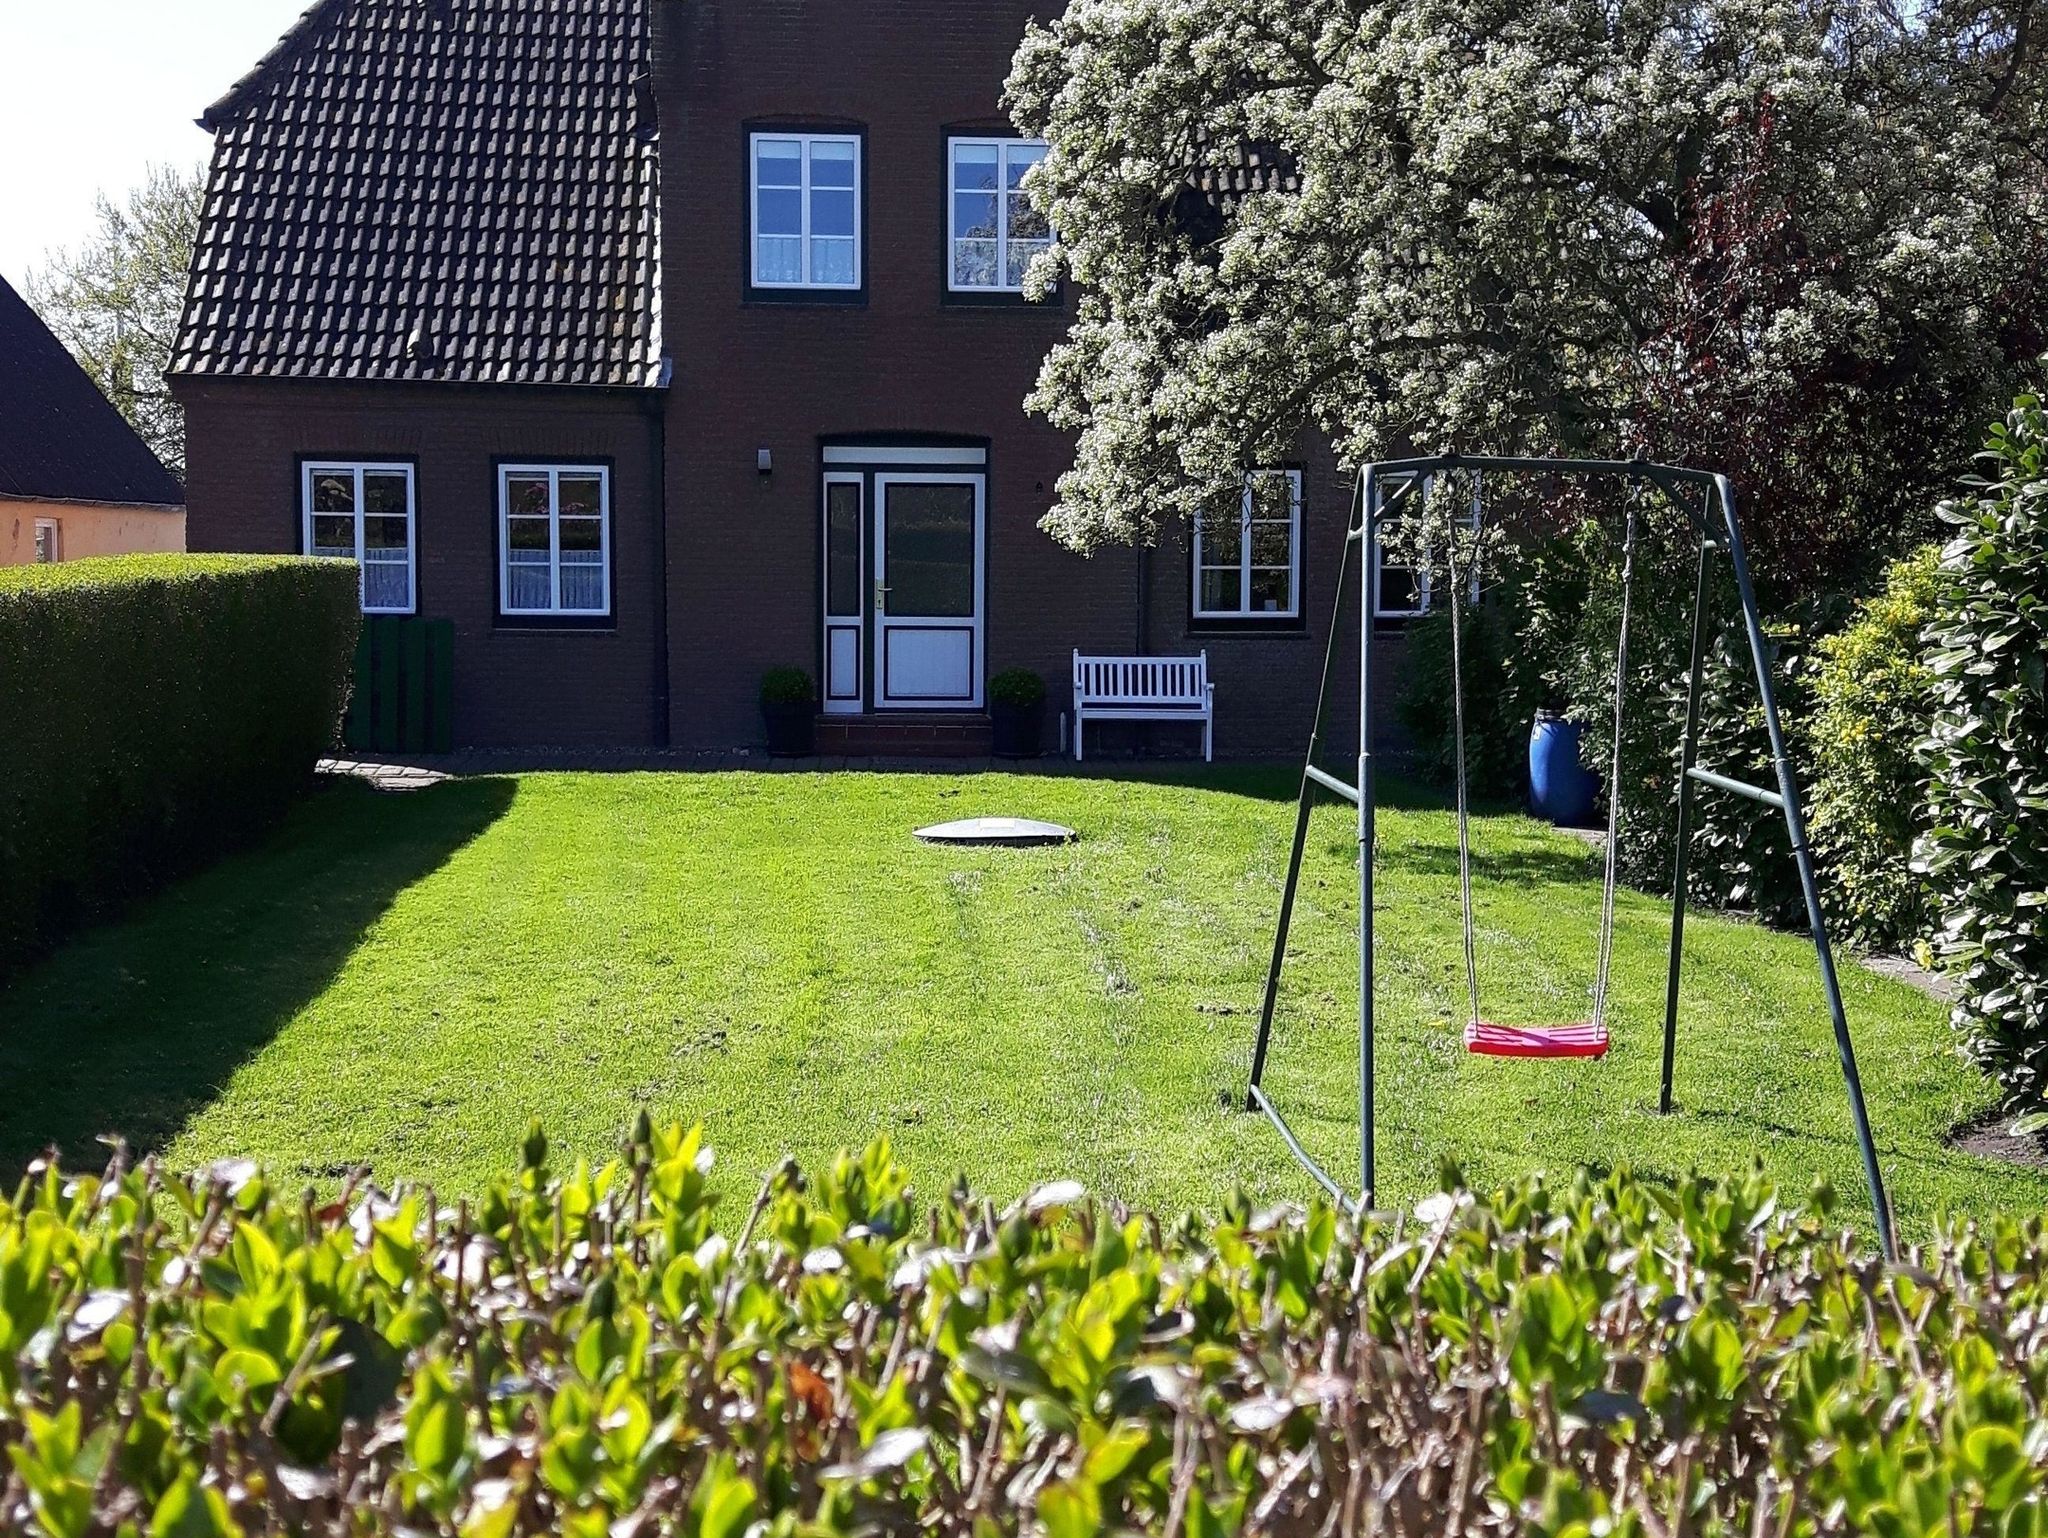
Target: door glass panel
x=842 y=549
x=929 y=551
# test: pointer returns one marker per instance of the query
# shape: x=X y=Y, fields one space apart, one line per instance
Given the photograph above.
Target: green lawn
x=404 y=979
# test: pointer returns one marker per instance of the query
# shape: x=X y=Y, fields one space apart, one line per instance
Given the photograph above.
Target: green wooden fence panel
x=414 y=739
x=404 y=695
x=385 y=734
x=441 y=638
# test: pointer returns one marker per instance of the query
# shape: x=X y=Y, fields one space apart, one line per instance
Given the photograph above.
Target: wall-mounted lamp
x=764 y=461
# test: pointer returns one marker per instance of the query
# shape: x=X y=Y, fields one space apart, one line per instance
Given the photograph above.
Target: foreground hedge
x=596 y=1354
x=154 y=709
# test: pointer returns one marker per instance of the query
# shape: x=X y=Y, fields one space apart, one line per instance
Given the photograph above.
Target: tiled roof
x=59 y=437
x=1221 y=177
x=461 y=190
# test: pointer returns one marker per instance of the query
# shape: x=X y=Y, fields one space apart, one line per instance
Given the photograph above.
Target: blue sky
x=97 y=90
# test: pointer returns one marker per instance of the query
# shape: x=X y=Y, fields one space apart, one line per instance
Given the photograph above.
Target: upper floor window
x=806 y=210
x=995 y=231
x=364 y=512
x=1249 y=566
x=554 y=539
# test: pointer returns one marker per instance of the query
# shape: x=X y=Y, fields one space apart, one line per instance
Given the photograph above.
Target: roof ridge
x=311 y=21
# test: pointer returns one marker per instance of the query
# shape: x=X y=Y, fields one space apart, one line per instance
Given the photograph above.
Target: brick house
x=655 y=343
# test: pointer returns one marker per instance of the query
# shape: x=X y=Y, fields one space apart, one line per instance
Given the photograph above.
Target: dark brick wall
x=905 y=363
x=750 y=375
x=513 y=687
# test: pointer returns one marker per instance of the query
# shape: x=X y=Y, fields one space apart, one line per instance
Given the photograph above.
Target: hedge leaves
x=155 y=710
x=1985 y=852
x=605 y=1354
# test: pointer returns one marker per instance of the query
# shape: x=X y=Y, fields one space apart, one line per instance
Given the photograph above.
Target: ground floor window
x=554 y=538
x=364 y=512
x=1248 y=565
x=1401 y=590
x=47 y=537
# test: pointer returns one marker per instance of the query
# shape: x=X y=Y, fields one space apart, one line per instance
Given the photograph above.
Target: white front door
x=929 y=563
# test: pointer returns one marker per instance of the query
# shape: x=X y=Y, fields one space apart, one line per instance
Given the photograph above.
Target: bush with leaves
x=1563 y=604
x=593 y=1353
x=1985 y=851
x=1506 y=680
x=1871 y=707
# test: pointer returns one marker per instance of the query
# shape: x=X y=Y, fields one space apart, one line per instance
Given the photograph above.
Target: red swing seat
x=1484 y=1038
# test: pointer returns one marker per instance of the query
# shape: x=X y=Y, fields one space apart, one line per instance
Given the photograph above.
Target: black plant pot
x=792 y=727
x=1018 y=730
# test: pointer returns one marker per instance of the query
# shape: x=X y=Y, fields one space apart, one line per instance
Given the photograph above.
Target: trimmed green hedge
x=595 y=1354
x=153 y=711
x=1984 y=851
x=1872 y=703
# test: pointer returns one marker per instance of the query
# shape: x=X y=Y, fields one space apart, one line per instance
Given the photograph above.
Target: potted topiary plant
x=1016 y=707
x=789 y=709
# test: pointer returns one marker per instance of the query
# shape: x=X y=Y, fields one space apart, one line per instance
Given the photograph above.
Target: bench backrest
x=1141 y=680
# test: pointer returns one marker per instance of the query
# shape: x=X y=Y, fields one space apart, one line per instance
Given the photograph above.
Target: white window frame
x=56 y=547
x=553 y=473
x=804 y=141
x=1244 y=611
x=1424 y=581
x=1002 y=146
x=357 y=469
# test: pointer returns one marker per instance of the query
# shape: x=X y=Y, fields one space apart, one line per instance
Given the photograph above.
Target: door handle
x=881 y=592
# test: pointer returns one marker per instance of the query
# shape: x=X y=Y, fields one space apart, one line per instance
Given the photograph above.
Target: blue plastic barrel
x=1561 y=788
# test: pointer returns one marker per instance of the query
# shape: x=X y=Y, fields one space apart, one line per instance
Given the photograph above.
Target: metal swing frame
x=1707 y=501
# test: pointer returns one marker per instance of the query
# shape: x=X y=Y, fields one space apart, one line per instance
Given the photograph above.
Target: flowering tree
x=1802 y=240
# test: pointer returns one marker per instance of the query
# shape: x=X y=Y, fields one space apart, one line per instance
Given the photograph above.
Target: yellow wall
x=85 y=528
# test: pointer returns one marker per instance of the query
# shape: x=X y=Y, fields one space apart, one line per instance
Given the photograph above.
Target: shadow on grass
x=1275 y=781
x=132 y=1028
x=1503 y=868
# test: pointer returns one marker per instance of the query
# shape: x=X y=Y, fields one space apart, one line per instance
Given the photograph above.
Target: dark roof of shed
x=462 y=190
x=59 y=437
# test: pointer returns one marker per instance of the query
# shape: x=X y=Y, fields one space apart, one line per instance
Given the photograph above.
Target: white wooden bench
x=1144 y=689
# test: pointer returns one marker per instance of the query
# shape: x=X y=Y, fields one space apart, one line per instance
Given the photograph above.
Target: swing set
x=1707 y=502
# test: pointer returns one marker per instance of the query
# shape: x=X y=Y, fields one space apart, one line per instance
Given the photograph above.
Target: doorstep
x=907 y=734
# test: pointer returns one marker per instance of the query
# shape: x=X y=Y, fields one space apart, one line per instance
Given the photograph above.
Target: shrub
x=1871 y=707
x=154 y=710
x=1568 y=599
x=787 y=686
x=591 y=1353
x=1016 y=686
x=1501 y=700
x=1985 y=851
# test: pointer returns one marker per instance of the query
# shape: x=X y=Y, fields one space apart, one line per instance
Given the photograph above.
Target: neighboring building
x=656 y=343
x=74 y=478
